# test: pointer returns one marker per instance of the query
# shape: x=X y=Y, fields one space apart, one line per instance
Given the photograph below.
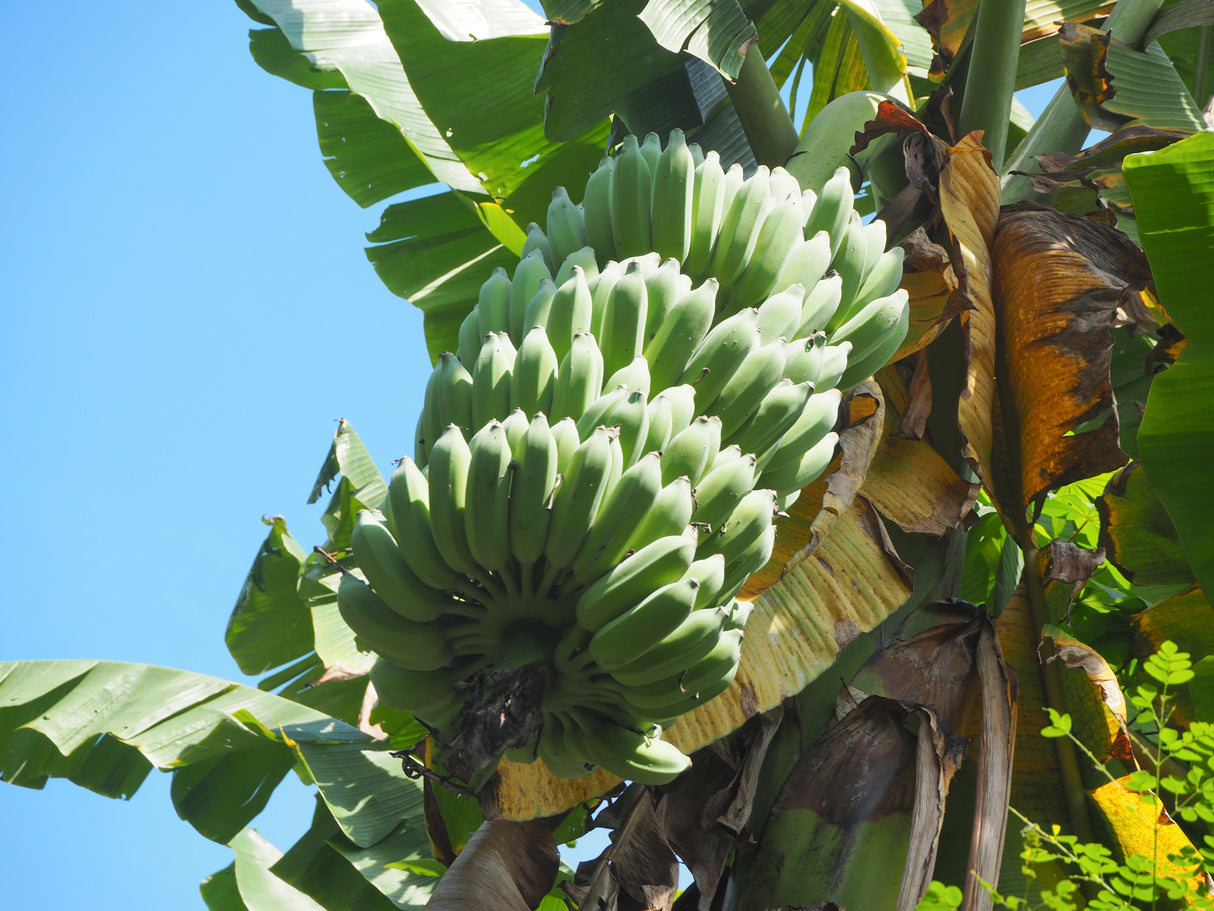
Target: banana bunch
x=598 y=465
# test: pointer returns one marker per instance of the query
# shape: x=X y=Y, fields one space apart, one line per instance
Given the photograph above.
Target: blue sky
x=185 y=289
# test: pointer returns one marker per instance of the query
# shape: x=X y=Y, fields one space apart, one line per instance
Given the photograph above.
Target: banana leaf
x=1173 y=192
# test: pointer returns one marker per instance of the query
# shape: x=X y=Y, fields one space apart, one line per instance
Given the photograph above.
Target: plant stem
x=765 y=119
x=991 y=81
x=1062 y=126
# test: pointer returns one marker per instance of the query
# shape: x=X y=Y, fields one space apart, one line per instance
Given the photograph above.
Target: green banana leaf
x=1173 y=194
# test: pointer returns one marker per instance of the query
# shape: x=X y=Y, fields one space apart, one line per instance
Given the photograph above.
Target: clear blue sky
x=184 y=288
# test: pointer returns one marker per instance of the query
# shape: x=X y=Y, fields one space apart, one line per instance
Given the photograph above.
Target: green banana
x=850 y=263
x=780 y=314
x=687 y=321
x=651 y=148
x=709 y=572
x=634 y=375
x=643 y=625
x=555 y=752
x=596 y=211
x=630 y=754
x=777 y=237
x=661 y=422
x=826 y=140
x=623 y=334
x=584 y=259
x=493 y=303
x=534 y=376
x=720 y=354
x=832 y=209
x=806 y=265
x=600 y=292
x=622 y=408
x=688 y=689
x=740 y=397
x=515 y=425
x=740 y=229
x=409 y=503
x=710 y=199
x=453 y=394
x=820 y=305
x=470 y=339
x=690 y=641
x=818 y=417
x=859 y=368
x=721 y=488
x=772 y=419
x=691 y=451
x=420 y=692
x=491 y=379
x=579 y=379
x=413 y=646
x=629 y=501
x=747 y=524
x=631 y=192
x=487 y=502
x=873 y=324
x=528 y=275
x=381 y=561
x=531 y=492
x=537 y=241
x=749 y=560
x=669 y=514
x=673 y=198
x=565 y=433
x=791 y=476
x=658 y=563
x=577 y=501
x=812 y=360
x=570 y=312
x=447 y=482
x=664 y=287
x=566 y=228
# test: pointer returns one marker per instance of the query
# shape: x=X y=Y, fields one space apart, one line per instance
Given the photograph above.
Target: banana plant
x=1020 y=478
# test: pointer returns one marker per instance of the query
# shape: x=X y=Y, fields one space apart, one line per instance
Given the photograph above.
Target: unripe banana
x=623 y=336
x=690 y=641
x=691 y=451
x=409 y=502
x=793 y=475
x=537 y=241
x=423 y=693
x=380 y=559
x=818 y=417
x=629 y=501
x=775 y=416
x=577 y=500
x=873 y=324
x=530 y=272
x=631 y=191
x=664 y=287
x=493 y=304
x=747 y=524
x=827 y=139
x=668 y=514
x=491 y=379
x=780 y=314
x=600 y=292
x=749 y=561
x=571 y=312
x=673 y=198
x=531 y=492
x=709 y=572
x=555 y=752
x=539 y=308
x=583 y=259
x=624 y=409
x=487 y=503
x=849 y=263
x=642 y=626
x=718 y=492
x=806 y=265
x=651 y=148
x=566 y=228
x=447 y=484
x=879 y=355
x=708 y=208
x=597 y=214
x=812 y=360
x=686 y=690
x=777 y=237
x=720 y=354
x=515 y=425
x=832 y=210
x=740 y=229
x=630 y=754
x=820 y=304
x=634 y=375
x=682 y=406
x=680 y=333
x=661 y=422
x=884 y=274
x=534 y=379
x=579 y=380
x=565 y=433
x=453 y=393
x=470 y=339
x=742 y=394
x=656 y=564
x=413 y=646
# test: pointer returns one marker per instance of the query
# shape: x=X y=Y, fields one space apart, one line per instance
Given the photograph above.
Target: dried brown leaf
x=506 y=865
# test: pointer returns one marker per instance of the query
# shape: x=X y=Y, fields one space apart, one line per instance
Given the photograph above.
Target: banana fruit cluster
x=598 y=465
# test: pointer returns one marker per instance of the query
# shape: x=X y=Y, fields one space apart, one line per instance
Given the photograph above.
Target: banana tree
x=994 y=489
